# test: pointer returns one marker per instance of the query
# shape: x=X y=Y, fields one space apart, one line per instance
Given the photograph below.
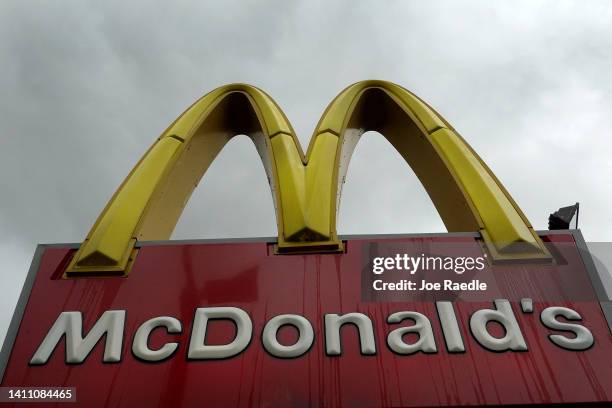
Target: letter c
x=140 y=346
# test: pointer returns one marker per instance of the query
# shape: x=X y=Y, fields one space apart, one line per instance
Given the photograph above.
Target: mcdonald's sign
x=490 y=313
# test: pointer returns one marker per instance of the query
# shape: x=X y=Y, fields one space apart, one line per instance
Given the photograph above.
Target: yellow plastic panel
x=502 y=221
x=335 y=117
x=108 y=245
x=320 y=185
x=291 y=186
x=271 y=117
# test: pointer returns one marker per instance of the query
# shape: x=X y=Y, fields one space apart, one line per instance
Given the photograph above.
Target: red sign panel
x=233 y=324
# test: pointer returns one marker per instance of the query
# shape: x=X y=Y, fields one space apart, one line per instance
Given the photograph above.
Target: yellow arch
x=305 y=188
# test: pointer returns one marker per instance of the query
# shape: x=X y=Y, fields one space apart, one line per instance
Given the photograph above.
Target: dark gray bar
x=37 y=394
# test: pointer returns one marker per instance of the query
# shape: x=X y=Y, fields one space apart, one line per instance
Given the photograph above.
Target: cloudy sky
x=86 y=87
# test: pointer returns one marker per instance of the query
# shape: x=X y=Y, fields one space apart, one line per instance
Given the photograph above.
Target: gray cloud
x=86 y=87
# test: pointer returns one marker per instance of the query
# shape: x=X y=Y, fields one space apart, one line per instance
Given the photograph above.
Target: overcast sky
x=86 y=87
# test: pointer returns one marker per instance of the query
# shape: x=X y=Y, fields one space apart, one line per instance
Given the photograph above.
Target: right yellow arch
x=465 y=192
x=306 y=188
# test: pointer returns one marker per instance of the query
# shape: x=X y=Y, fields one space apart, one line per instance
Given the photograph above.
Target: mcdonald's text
x=111 y=324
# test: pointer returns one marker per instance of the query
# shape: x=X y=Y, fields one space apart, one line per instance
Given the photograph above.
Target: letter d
x=512 y=340
x=244 y=329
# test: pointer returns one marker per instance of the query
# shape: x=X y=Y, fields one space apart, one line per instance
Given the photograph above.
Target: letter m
x=70 y=324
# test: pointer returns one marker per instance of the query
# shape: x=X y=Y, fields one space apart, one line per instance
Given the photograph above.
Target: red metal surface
x=172 y=280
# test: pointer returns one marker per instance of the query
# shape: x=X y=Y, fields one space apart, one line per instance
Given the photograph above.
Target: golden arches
x=305 y=188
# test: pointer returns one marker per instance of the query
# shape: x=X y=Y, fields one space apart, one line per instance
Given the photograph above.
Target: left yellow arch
x=305 y=188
